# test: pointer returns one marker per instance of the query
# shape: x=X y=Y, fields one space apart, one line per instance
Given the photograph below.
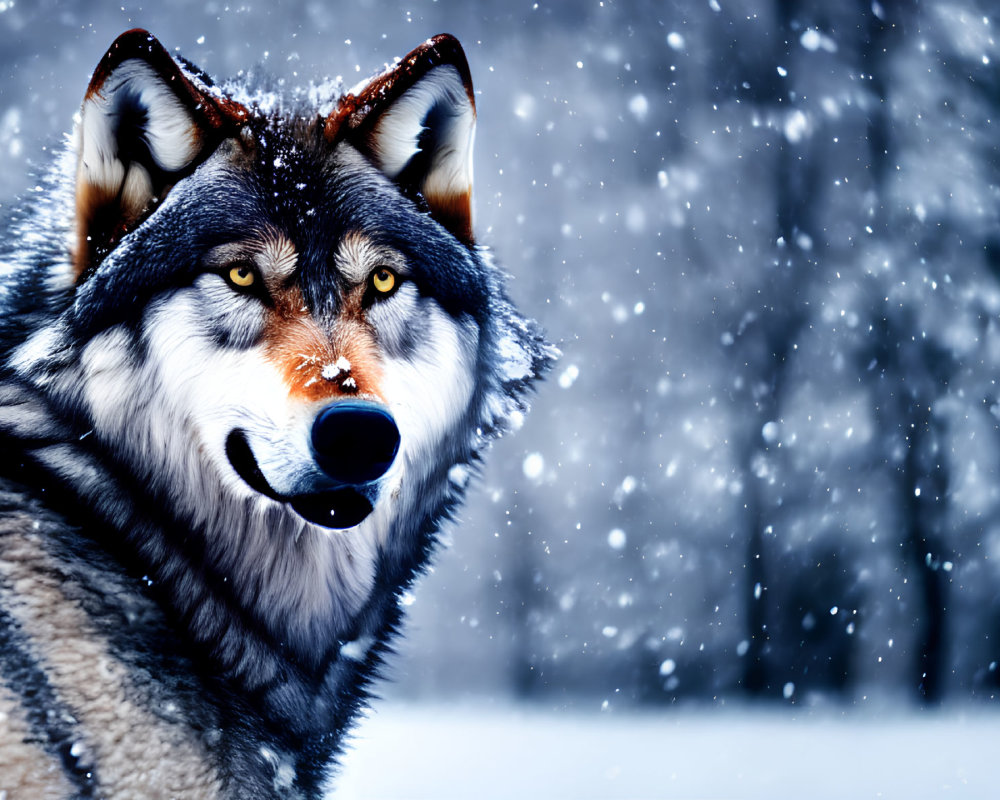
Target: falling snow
x=533 y=466
x=768 y=252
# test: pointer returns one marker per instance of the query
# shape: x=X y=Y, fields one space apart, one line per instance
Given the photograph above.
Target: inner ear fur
x=416 y=122
x=146 y=122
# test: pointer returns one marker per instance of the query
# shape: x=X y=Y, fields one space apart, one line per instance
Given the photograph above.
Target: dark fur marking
x=47 y=715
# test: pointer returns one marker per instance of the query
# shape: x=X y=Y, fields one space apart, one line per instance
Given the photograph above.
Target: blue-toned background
x=765 y=236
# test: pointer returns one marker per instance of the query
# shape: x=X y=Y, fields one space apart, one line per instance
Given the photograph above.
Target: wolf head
x=254 y=335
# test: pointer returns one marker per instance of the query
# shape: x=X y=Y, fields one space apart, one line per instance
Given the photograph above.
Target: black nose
x=354 y=442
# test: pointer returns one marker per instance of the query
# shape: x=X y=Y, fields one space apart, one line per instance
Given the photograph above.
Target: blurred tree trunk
x=780 y=323
x=924 y=481
x=917 y=376
x=522 y=597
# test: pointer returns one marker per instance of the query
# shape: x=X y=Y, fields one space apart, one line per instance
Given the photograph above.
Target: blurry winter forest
x=765 y=235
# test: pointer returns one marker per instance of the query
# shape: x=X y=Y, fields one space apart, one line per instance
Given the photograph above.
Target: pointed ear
x=417 y=122
x=146 y=122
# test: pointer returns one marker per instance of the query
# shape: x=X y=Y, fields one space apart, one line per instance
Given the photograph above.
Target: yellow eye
x=242 y=276
x=384 y=280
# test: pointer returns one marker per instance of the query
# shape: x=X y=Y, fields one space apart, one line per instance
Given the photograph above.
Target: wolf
x=250 y=353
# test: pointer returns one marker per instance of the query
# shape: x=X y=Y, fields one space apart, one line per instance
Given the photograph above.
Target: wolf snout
x=354 y=442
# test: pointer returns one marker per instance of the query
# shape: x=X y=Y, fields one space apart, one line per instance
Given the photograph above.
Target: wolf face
x=246 y=343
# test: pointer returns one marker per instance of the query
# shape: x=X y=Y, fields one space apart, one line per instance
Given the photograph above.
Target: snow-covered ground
x=411 y=752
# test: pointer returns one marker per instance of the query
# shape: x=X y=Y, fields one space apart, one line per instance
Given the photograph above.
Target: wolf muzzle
x=353 y=444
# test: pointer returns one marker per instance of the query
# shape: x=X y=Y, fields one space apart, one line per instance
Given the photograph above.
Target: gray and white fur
x=245 y=338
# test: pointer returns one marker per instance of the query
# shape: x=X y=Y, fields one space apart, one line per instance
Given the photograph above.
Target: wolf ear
x=146 y=122
x=417 y=122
